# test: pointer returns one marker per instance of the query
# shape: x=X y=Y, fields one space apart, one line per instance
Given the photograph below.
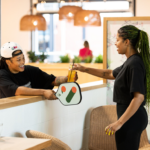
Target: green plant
x=42 y=57
x=88 y=59
x=77 y=59
x=64 y=59
x=32 y=56
x=99 y=59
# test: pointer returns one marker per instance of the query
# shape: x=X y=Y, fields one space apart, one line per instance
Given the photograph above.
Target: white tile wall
x=68 y=123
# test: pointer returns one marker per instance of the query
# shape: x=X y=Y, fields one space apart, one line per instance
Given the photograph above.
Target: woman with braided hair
x=131 y=87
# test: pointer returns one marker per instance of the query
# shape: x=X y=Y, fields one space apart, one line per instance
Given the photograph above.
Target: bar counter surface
x=22 y=100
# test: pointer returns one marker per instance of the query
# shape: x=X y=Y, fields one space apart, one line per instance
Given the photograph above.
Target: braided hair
x=3 y=65
x=139 y=42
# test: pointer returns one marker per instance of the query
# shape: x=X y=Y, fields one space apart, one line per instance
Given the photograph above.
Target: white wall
x=11 y=13
x=143 y=8
x=68 y=123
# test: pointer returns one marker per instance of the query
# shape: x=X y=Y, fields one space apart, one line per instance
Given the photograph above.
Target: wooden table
x=15 y=143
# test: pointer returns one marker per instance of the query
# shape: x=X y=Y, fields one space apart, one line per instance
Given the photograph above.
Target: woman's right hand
x=78 y=67
x=49 y=94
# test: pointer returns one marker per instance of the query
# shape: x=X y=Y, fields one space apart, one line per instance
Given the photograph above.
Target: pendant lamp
x=32 y=22
x=68 y=12
x=87 y=18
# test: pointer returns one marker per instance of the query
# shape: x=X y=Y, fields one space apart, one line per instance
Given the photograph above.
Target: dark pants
x=128 y=137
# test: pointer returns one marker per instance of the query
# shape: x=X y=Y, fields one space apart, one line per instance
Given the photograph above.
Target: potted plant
x=32 y=56
x=77 y=59
x=64 y=59
x=88 y=59
x=42 y=57
x=99 y=59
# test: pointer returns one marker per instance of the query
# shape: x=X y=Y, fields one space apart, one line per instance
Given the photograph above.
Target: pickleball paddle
x=69 y=93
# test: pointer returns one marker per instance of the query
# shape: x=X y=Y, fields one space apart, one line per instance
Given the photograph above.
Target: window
x=62 y=37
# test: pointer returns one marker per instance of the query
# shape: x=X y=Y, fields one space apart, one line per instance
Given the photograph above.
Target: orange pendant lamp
x=68 y=12
x=87 y=18
x=32 y=22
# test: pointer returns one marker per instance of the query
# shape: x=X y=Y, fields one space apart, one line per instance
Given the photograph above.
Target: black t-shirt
x=31 y=77
x=130 y=78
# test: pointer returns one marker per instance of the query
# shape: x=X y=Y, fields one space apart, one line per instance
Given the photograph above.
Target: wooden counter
x=61 y=69
x=19 y=100
x=22 y=100
x=16 y=143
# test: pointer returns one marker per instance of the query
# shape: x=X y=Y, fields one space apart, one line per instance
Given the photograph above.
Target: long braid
x=3 y=64
x=143 y=46
x=140 y=42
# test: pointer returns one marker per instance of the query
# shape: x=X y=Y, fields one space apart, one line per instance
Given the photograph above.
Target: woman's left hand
x=112 y=128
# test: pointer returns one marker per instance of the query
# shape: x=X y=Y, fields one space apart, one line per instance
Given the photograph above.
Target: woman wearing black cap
x=19 y=79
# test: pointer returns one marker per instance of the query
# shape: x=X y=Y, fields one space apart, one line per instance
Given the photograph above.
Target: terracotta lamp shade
x=32 y=22
x=68 y=12
x=87 y=18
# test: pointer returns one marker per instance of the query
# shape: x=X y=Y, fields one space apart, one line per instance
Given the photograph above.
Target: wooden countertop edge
x=19 y=100
x=22 y=100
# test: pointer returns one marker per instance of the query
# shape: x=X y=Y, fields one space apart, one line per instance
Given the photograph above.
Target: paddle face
x=69 y=93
